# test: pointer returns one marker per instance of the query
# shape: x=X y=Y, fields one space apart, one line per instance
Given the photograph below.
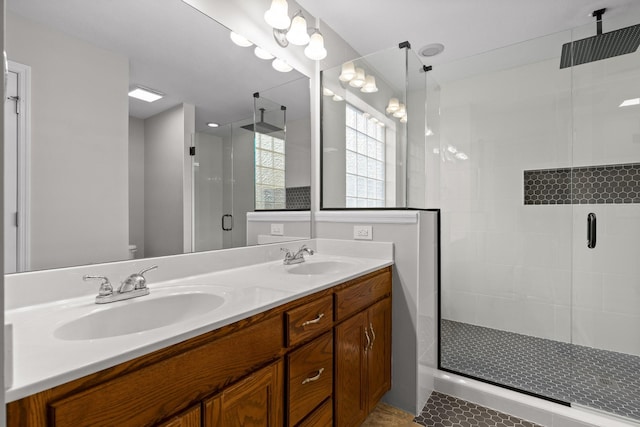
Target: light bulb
x=277 y=15
x=315 y=49
x=358 y=79
x=348 y=72
x=369 y=85
x=297 y=34
x=239 y=40
x=262 y=54
x=280 y=65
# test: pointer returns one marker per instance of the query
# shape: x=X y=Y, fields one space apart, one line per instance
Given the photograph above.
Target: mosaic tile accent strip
x=444 y=410
x=583 y=185
x=600 y=379
x=298 y=197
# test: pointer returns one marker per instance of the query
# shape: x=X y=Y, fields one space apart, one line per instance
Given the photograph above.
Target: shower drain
x=607 y=382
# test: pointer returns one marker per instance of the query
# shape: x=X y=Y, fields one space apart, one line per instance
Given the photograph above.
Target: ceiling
x=174 y=49
x=465 y=27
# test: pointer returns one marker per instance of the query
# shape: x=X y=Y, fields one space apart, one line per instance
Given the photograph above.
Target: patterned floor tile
x=599 y=379
x=443 y=410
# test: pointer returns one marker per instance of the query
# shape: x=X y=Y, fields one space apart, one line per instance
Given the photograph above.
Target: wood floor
x=388 y=416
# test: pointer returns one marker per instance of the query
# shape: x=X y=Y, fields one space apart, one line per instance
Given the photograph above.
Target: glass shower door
x=606 y=228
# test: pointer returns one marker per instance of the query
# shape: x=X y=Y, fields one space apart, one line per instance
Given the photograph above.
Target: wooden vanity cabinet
x=362 y=359
x=307 y=363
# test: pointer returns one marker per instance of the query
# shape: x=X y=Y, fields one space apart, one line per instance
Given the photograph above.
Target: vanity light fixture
x=277 y=15
x=337 y=98
x=294 y=31
x=462 y=156
x=327 y=92
x=348 y=72
x=239 y=40
x=369 y=85
x=280 y=65
x=630 y=102
x=145 y=94
x=401 y=111
x=358 y=79
x=262 y=54
x=393 y=105
x=212 y=125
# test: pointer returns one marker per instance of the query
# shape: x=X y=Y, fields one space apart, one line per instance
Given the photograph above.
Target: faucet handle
x=105 y=286
x=287 y=253
x=137 y=280
x=153 y=267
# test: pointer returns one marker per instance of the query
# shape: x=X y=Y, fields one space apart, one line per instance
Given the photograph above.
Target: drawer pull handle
x=366 y=334
x=316 y=320
x=373 y=335
x=314 y=378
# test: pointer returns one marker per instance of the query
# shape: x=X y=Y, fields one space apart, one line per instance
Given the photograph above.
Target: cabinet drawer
x=362 y=294
x=309 y=320
x=310 y=377
x=321 y=417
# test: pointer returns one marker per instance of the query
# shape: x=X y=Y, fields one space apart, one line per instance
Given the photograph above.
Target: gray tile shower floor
x=444 y=410
x=599 y=379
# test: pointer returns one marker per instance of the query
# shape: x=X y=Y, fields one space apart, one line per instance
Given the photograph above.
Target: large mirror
x=95 y=175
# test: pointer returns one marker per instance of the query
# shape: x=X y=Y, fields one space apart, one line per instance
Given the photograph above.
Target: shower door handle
x=591 y=230
x=227 y=222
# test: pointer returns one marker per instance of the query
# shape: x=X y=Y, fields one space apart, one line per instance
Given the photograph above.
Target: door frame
x=24 y=165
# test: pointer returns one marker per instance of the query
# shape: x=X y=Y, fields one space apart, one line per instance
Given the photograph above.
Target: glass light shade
x=239 y=40
x=394 y=105
x=262 y=54
x=337 y=98
x=315 y=49
x=297 y=34
x=280 y=65
x=348 y=72
x=369 y=85
x=401 y=111
x=403 y=119
x=358 y=79
x=278 y=15
x=327 y=92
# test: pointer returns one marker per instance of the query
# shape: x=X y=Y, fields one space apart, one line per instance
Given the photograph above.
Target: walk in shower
x=535 y=164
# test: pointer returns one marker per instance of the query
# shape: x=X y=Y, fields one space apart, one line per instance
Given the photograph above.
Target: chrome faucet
x=295 y=258
x=132 y=287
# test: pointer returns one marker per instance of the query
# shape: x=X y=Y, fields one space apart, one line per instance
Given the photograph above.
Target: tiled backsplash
x=298 y=197
x=583 y=185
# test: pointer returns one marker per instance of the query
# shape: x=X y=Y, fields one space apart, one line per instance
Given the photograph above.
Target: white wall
x=522 y=268
x=208 y=192
x=414 y=237
x=298 y=153
x=79 y=110
x=136 y=185
x=167 y=138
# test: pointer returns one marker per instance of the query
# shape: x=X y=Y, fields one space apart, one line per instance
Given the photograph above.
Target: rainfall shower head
x=262 y=126
x=601 y=46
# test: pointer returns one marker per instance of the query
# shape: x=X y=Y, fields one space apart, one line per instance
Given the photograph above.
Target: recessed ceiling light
x=262 y=54
x=212 y=125
x=432 y=49
x=146 y=94
x=628 y=102
x=239 y=40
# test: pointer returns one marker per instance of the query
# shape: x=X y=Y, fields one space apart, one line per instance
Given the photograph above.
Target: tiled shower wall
x=523 y=267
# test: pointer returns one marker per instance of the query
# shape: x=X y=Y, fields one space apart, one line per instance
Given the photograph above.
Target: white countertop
x=41 y=361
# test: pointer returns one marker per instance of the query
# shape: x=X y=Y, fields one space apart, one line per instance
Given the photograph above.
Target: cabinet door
x=255 y=401
x=191 y=418
x=350 y=366
x=379 y=351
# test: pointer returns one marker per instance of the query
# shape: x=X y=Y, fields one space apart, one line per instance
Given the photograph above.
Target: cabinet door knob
x=316 y=320
x=366 y=334
x=373 y=335
x=314 y=378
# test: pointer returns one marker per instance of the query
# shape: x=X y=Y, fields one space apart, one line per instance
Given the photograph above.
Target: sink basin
x=138 y=315
x=319 y=267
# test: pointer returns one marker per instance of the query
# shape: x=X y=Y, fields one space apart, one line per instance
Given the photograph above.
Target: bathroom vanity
x=312 y=360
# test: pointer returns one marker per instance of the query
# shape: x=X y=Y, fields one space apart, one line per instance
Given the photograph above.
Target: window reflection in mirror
x=108 y=177
x=373 y=139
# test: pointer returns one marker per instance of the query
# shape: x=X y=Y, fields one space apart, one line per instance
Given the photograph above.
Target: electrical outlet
x=277 y=229
x=363 y=232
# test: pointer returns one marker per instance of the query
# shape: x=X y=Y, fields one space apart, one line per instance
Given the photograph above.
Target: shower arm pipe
x=598 y=15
